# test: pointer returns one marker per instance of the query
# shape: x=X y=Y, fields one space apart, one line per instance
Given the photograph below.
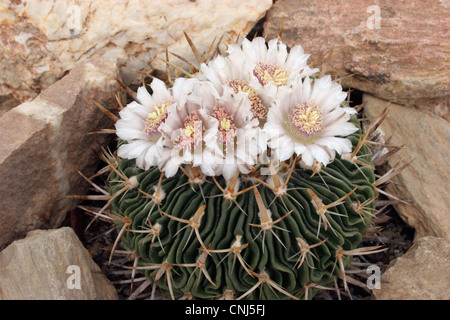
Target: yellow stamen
x=156 y=117
x=258 y=109
x=227 y=127
x=225 y=124
x=192 y=132
x=269 y=73
x=189 y=131
x=305 y=119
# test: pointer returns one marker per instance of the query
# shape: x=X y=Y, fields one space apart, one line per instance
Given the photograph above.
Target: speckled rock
x=425 y=138
x=420 y=274
x=395 y=50
x=51 y=265
x=41 y=40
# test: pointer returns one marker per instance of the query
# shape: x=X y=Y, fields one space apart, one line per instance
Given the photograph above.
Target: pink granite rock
x=395 y=50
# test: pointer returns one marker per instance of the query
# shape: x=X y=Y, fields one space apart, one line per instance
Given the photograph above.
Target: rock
x=44 y=142
x=51 y=265
x=42 y=40
x=420 y=274
x=403 y=59
x=425 y=137
x=7 y=104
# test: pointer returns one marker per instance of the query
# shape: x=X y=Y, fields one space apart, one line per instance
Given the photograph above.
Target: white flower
x=139 y=125
x=189 y=133
x=273 y=64
x=308 y=120
x=257 y=70
x=239 y=135
x=230 y=74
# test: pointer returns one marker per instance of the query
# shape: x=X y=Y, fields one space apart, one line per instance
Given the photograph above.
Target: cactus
x=278 y=225
x=208 y=244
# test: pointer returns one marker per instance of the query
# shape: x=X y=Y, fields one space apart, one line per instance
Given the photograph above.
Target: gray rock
x=425 y=137
x=420 y=274
x=51 y=265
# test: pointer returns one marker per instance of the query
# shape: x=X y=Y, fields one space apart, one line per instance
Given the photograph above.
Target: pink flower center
x=192 y=133
x=270 y=73
x=305 y=120
x=227 y=128
x=258 y=109
x=155 y=117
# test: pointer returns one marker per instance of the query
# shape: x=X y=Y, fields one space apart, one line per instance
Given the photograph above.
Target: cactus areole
x=237 y=182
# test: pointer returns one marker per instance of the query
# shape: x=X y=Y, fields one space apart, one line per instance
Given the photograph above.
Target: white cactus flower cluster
x=259 y=96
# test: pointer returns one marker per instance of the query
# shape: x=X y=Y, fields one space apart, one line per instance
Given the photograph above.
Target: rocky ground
x=57 y=60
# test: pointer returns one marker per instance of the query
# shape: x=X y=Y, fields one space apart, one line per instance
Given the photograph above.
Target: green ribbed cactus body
x=273 y=252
